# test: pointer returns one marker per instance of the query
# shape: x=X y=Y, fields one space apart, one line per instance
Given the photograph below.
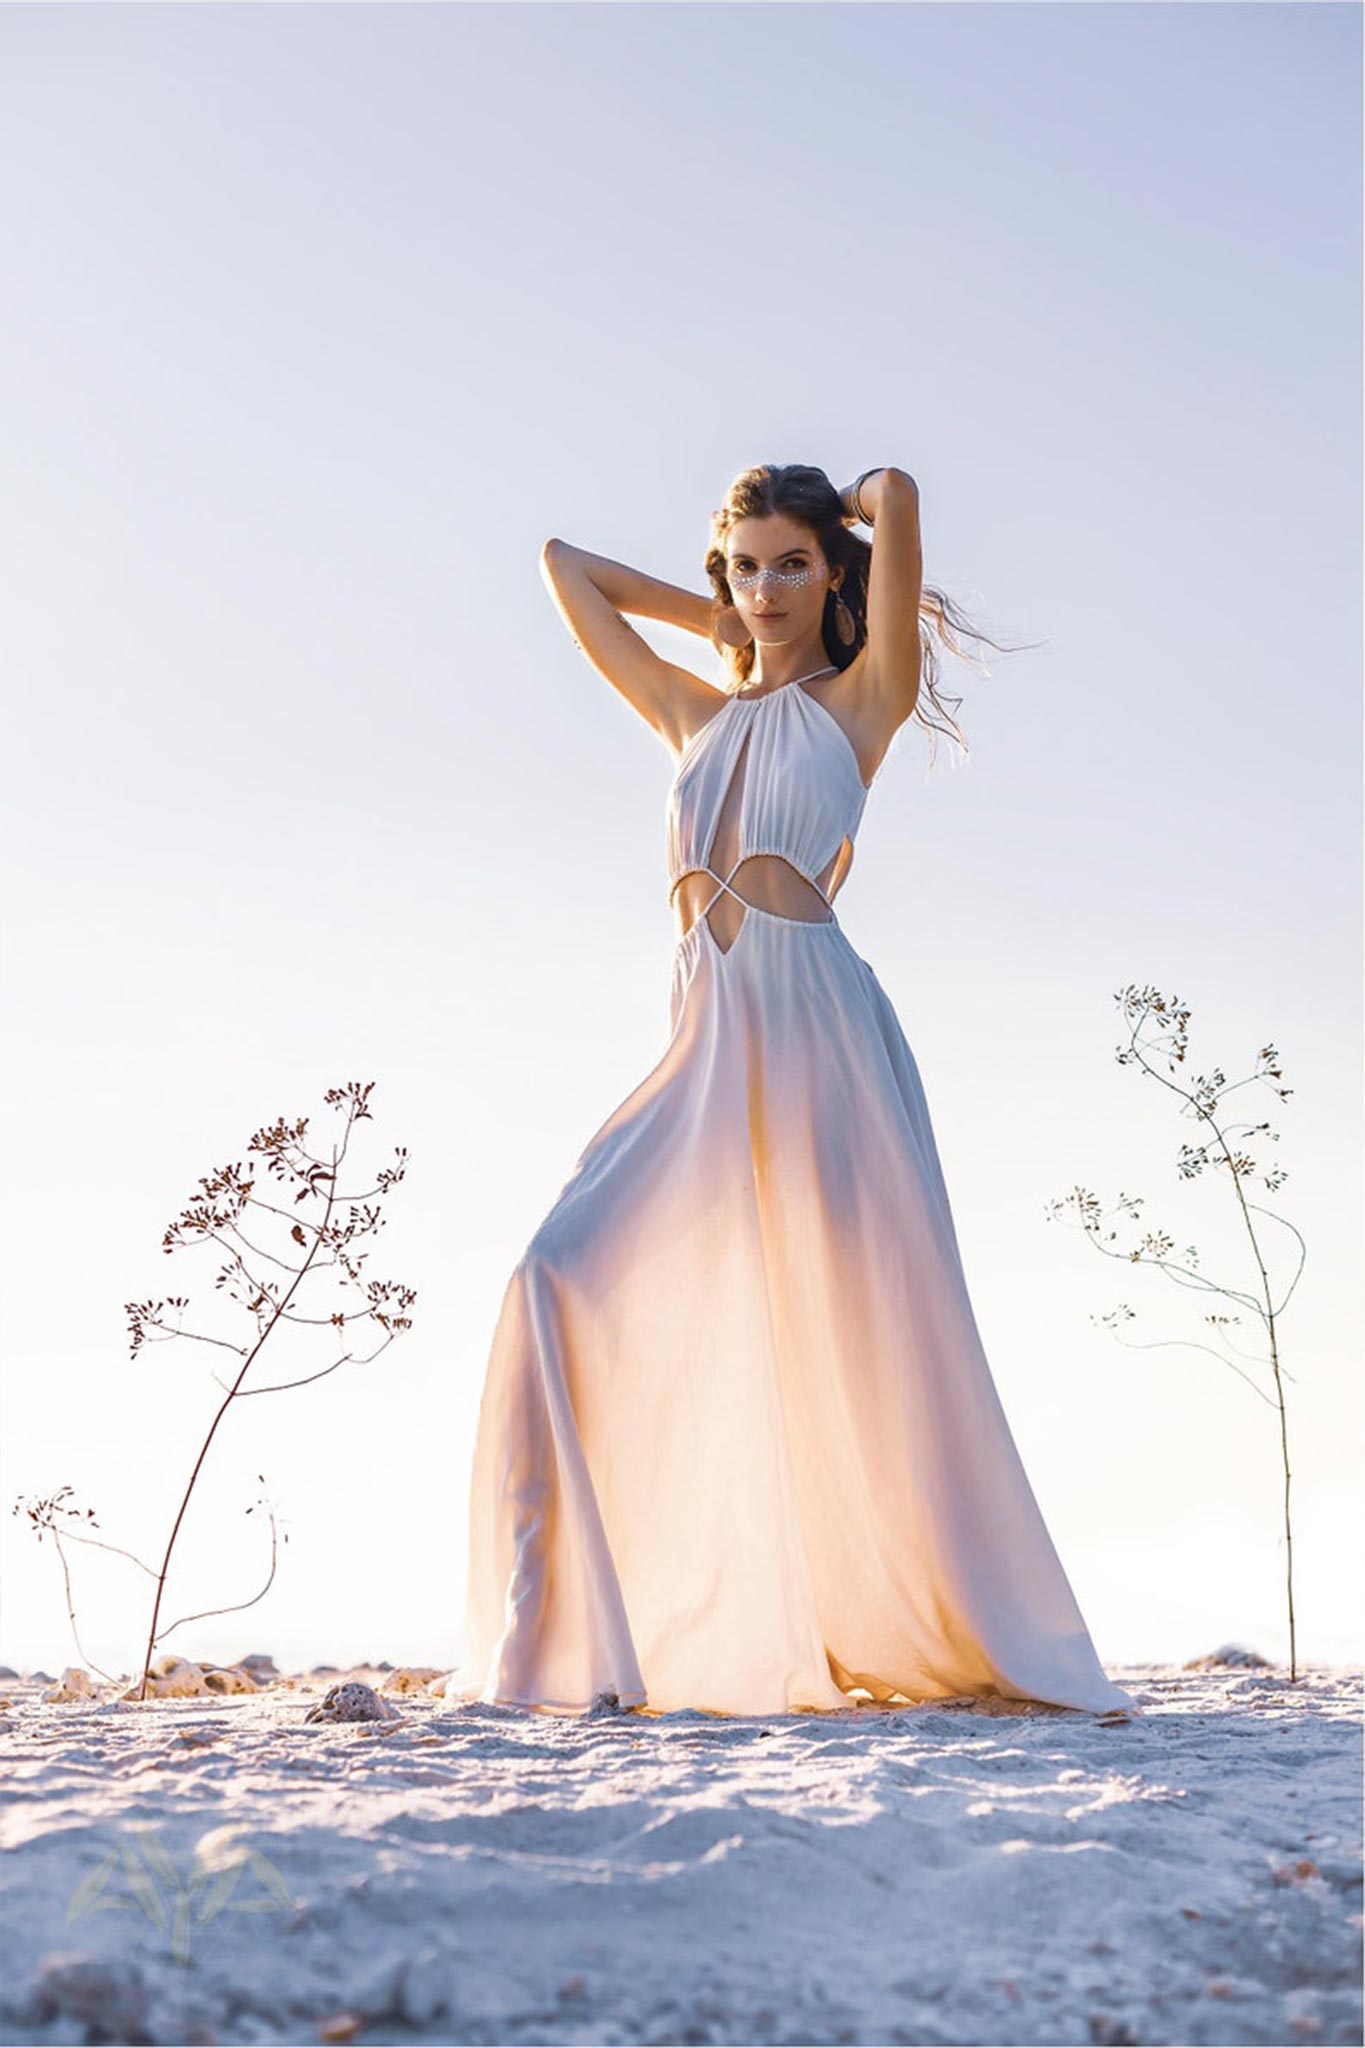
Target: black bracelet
x=854 y=493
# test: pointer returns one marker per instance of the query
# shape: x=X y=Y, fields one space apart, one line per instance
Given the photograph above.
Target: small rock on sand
x=409 y=1677
x=229 y=1678
x=353 y=1701
x=75 y=1683
x=1228 y=1653
x=170 y=1678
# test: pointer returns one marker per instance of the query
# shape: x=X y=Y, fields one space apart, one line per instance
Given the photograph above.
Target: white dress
x=739 y=1447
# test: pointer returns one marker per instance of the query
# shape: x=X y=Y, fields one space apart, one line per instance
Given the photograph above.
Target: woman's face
x=778 y=578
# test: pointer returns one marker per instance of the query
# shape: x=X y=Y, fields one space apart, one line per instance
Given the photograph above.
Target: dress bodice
x=803 y=792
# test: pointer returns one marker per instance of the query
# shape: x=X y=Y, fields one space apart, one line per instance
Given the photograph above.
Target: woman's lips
x=770 y=615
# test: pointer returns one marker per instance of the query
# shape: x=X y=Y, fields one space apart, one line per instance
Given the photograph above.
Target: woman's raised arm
x=591 y=592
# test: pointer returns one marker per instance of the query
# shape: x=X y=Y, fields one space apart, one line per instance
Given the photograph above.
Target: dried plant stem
x=1145 y=1006
x=213 y=1217
x=231 y=1395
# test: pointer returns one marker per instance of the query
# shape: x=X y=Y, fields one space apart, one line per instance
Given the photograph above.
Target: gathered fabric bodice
x=802 y=793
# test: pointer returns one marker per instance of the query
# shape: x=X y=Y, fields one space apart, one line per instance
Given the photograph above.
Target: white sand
x=946 y=1873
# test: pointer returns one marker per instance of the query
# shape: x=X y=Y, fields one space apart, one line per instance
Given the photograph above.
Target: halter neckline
x=821 y=711
x=755 y=696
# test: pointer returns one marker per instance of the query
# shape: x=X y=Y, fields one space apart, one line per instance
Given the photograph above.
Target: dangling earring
x=728 y=628
x=845 y=625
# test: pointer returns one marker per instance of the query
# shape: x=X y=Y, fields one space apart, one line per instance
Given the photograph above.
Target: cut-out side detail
x=832 y=879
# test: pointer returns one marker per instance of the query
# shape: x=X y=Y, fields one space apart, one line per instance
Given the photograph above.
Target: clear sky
x=317 y=322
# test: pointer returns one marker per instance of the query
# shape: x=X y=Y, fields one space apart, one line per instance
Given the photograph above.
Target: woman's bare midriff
x=765 y=879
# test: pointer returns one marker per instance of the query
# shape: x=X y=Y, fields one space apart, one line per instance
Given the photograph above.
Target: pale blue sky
x=317 y=322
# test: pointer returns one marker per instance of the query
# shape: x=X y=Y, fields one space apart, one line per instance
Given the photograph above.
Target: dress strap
x=724 y=882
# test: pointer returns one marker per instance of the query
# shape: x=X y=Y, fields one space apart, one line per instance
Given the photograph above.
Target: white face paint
x=750 y=579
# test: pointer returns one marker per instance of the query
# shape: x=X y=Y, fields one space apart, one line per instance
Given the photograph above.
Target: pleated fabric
x=739 y=1447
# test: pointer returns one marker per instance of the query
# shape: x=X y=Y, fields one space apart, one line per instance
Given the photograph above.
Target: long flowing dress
x=739 y=1447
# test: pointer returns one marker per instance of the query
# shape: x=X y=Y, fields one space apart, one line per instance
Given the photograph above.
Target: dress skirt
x=739 y=1447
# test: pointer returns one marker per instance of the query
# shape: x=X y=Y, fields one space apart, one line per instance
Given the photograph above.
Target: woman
x=739 y=1447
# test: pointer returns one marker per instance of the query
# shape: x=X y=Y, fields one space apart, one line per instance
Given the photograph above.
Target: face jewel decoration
x=790 y=579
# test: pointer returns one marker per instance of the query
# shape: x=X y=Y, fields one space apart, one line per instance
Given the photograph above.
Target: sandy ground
x=220 y=1869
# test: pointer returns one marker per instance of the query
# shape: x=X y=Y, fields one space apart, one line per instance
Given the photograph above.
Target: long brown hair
x=806 y=494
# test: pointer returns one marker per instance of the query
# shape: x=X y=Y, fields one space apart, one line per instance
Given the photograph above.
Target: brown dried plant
x=1164 y=1021
x=324 y=1224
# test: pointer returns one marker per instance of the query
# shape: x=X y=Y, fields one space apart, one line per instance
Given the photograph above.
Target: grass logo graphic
x=178 y=1908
